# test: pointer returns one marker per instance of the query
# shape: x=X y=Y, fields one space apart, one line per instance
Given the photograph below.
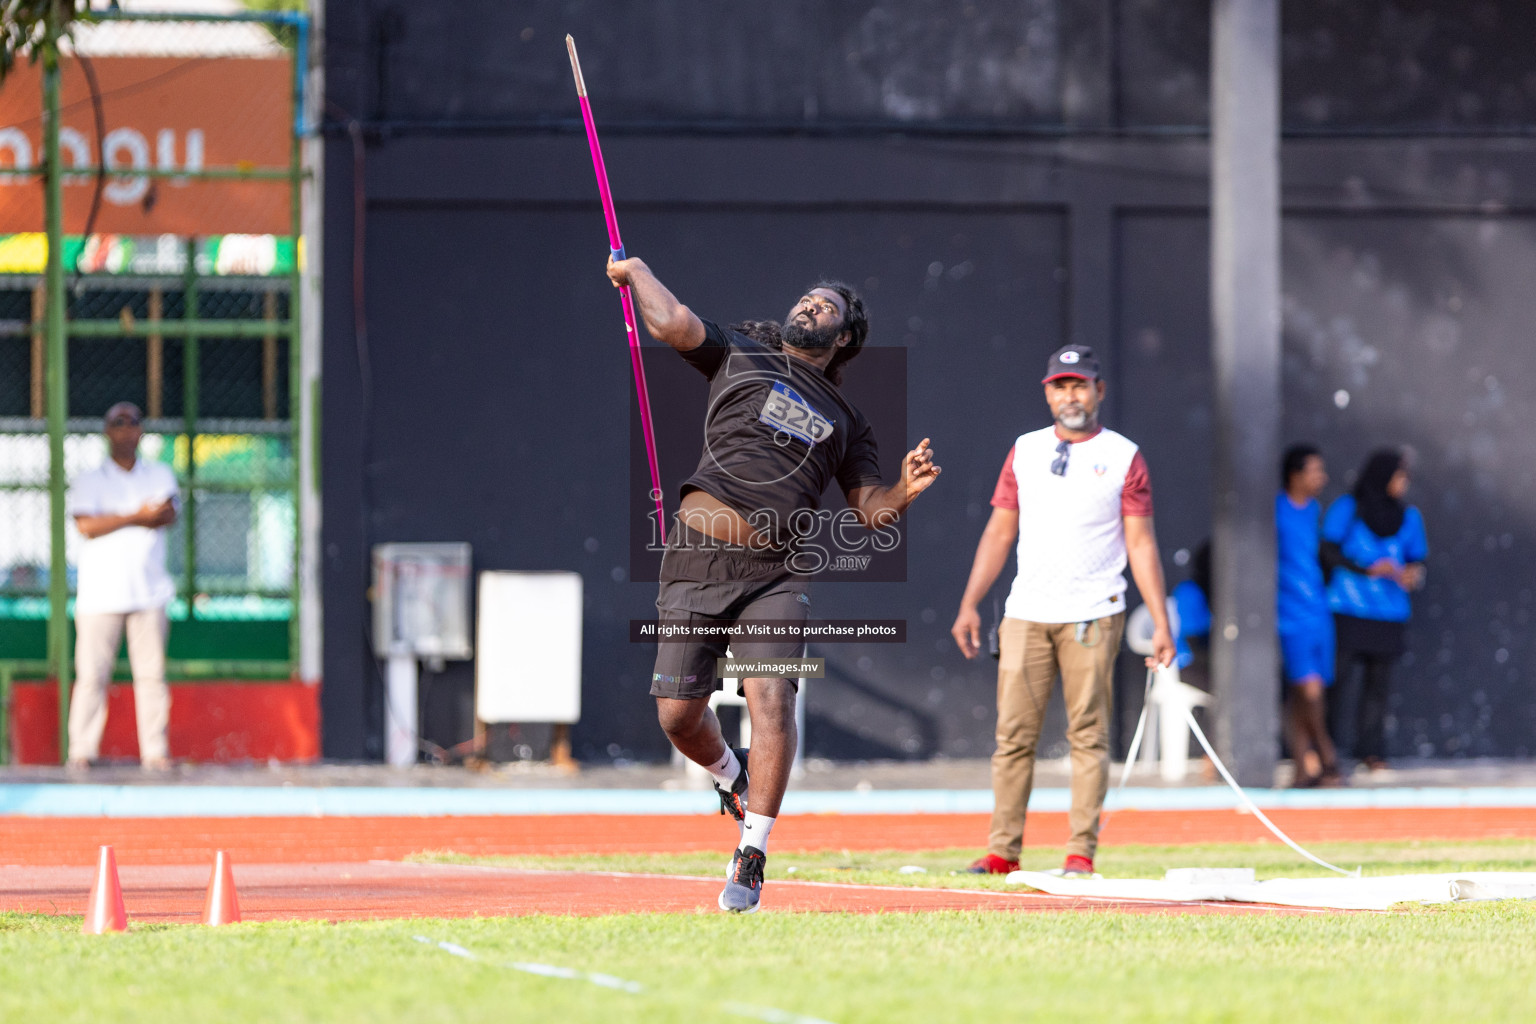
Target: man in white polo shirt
x=1077 y=499
x=122 y=509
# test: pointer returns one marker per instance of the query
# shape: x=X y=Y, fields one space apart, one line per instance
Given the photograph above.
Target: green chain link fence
x=242 y=563
x=196 y=327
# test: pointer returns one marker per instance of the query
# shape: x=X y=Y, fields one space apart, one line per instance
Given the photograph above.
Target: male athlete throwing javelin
x=777 y=433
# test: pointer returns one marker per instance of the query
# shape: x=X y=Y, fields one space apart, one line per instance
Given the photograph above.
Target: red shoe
x=992 y=864
x=1077 y=867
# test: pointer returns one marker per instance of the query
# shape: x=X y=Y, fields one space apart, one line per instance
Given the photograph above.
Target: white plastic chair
x=1166 y=739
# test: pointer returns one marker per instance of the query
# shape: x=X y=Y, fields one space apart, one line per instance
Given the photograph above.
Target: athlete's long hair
x=855 y=322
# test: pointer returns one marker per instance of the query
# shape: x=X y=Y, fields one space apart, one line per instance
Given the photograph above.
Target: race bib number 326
x=785 y=410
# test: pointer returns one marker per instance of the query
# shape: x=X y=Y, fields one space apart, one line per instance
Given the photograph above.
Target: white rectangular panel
x=528 y=647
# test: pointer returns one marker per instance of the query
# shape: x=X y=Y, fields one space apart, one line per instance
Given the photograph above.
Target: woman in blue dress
x=1375 y=545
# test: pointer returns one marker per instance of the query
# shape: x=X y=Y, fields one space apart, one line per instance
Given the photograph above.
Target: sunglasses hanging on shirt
x=1059 y=463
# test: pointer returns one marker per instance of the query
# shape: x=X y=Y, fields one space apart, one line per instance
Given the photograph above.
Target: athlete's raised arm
x=668 y=320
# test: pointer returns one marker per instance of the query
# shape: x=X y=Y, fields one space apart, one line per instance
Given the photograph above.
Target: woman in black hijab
x=1379 y=492
x=1375 y=545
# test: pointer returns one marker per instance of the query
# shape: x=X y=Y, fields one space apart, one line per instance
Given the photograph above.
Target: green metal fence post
x=295 y=342
x=189 y=412
x=57 y=376
x=5 y=714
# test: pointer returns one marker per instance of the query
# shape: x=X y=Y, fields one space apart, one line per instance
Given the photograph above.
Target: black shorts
x=706 y=582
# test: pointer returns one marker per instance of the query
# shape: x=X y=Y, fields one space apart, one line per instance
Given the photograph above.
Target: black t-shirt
x=776 y=434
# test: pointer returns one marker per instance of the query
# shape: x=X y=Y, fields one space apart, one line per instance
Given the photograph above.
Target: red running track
x=52 y=841
x=349 y=892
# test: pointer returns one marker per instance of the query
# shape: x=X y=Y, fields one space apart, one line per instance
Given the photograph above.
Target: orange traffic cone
x=105 y=912
x=222 y=905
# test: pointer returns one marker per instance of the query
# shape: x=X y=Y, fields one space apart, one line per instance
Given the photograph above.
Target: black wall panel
x=985 y=173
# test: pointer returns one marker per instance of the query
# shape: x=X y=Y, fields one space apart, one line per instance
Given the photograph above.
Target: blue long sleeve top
x=1366 y=597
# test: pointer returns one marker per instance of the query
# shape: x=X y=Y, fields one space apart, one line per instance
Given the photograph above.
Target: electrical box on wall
x=421 y=601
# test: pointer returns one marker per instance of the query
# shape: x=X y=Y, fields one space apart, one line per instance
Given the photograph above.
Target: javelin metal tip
x=570 y=46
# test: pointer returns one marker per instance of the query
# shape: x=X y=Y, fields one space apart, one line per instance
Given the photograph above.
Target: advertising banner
x=169 y=114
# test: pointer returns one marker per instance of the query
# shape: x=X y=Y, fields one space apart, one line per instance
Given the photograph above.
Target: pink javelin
x=616 y=246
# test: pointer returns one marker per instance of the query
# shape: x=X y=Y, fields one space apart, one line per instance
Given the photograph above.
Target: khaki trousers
x=1031 y=655
x=96 y=641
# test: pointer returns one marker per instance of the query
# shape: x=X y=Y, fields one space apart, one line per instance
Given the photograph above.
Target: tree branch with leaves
x=24 y=28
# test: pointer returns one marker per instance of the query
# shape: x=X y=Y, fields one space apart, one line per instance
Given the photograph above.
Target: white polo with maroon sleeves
x=1071 y=549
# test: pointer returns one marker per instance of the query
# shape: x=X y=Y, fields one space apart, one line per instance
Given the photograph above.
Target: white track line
x=771 y=1014
x=778 y=882
x=499 y=869
x=543 y=970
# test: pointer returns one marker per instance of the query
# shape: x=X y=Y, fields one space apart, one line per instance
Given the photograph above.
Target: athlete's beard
x=1075 y=417
x=799 y=336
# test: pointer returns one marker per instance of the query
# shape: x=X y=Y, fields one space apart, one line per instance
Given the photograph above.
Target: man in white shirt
x=122 y=509
x=1077 y=498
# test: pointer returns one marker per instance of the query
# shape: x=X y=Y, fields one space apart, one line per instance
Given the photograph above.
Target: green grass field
x=1458 y=963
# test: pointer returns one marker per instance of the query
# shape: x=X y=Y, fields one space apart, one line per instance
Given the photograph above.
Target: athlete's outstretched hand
x=918 y=470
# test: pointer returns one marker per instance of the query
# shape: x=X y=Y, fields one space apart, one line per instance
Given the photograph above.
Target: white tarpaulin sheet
x=1329 y=893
